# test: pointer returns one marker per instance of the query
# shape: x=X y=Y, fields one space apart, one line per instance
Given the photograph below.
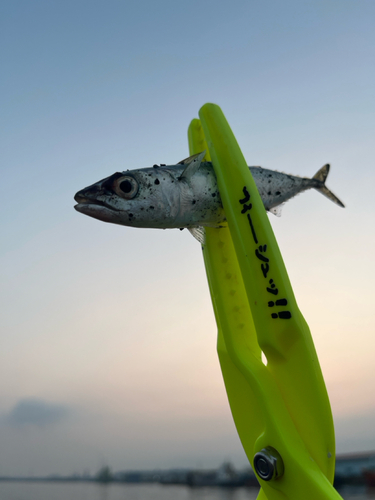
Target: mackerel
x=184 y=195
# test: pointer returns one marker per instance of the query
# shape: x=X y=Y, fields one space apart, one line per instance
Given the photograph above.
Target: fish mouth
x=95 y=208
x=84 y=201
x=93 y=203
x=100 y=212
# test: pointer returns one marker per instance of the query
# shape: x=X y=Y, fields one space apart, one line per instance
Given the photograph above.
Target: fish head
x=137 y=198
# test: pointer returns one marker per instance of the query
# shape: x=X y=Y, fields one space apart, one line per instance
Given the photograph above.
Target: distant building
x=137 y=476
x=350 y=467
x=174 y=476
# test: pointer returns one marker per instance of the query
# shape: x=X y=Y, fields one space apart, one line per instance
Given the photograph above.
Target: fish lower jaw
x=100 y=212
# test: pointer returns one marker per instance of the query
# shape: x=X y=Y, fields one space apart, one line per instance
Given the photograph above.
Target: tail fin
x=321 y=176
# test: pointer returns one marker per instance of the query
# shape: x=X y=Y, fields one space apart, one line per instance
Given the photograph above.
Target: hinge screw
x=268 y=464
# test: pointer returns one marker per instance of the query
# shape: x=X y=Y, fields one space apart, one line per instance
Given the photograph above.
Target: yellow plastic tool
x=281 y=409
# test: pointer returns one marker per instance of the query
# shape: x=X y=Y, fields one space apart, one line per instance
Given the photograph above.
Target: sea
x=93 y=491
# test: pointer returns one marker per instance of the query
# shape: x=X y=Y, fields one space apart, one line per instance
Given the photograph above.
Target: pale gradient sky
x=108 y=341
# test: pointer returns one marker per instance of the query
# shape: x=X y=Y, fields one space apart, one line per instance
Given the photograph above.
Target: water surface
x=92 y=491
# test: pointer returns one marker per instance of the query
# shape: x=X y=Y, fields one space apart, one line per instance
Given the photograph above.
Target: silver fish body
x=183 y=195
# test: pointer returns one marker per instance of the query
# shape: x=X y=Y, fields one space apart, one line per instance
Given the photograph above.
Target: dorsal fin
x=188 y=160
x=192 y=166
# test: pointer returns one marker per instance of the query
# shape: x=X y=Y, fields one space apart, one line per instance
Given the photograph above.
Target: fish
x=184 y=195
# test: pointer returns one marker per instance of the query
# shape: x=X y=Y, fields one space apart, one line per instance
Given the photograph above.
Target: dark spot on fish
x=277 y=192
x=155 y=166
x=131 y=215
x=157 y=181
x=151 y=207
x=269 y=175
x=163 y=164
x=193 y=202
x=182 y=228
x=269 y=193
x=142 y=208
x=213 y=195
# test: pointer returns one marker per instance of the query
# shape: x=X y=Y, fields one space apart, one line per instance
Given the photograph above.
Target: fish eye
x=126 y=187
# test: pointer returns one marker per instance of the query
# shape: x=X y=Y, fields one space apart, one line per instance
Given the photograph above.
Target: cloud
x=35 y=412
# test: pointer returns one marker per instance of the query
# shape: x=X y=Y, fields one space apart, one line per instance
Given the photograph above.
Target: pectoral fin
x=199 y=233
x=277 y=210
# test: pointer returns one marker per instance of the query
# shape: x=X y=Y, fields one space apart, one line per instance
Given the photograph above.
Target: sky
x=108 y=339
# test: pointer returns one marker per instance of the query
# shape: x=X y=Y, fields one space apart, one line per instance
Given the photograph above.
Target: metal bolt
x=268 y=464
